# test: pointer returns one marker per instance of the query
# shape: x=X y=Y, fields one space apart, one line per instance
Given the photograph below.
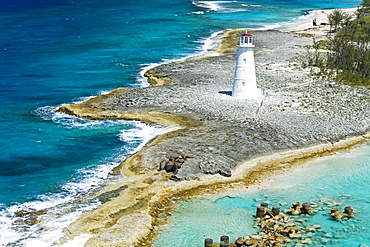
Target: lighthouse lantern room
x=245 y=85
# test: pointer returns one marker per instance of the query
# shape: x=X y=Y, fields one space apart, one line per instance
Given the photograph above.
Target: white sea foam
x=147 y=133
x=49 y=113
x=252 y=5
x=82 y=99
x=271 y=26
x=287 y=25
x=207 y=47
x=61 y=212
x=64 y=207
x=219 y=6
x=295 y=21
x=212 y=5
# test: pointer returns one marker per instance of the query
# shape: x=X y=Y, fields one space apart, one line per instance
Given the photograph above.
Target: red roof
x=246 y=34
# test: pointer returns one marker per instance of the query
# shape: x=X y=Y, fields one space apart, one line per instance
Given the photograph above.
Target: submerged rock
x=28 y=218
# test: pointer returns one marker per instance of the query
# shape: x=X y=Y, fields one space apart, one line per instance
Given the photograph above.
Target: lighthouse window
x=250 y=39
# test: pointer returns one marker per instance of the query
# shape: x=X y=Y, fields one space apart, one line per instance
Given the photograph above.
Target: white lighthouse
x=244 y=85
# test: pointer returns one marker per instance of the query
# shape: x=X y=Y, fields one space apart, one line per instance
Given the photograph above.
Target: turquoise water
x=340 y=180
x=62 y=51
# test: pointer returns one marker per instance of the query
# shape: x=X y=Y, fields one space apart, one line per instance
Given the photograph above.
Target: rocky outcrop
x=277 y=229
x=173 y=163
x=337 y=215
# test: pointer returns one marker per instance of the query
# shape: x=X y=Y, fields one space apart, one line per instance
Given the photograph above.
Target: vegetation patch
x=345 y=55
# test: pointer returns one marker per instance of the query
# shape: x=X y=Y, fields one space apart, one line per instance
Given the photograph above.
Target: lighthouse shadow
x=228 y=93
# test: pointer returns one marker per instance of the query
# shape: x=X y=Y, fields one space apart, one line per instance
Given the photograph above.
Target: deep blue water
x=62 y=51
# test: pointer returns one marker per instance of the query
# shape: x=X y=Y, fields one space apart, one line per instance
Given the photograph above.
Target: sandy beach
x=229 y=143
x=321 y=18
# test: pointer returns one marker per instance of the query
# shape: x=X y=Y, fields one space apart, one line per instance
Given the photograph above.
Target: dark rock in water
x=31 y=212
x=239 y=242
x=21 y=213
x=28 y=218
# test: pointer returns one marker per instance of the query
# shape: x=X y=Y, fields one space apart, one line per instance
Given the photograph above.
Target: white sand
x=305 y=23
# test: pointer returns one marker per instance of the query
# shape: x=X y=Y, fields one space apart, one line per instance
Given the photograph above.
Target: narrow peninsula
x=223 y=143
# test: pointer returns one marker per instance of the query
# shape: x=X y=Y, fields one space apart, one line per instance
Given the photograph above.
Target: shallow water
x=340 y=180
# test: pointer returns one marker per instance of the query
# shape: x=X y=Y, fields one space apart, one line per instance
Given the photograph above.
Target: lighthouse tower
x=244 y=85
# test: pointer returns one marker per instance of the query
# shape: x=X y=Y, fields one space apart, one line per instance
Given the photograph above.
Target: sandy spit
x=234 y=143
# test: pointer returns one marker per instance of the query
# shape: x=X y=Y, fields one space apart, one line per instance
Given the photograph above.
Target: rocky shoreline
x=227 y=141
x=220 y=131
